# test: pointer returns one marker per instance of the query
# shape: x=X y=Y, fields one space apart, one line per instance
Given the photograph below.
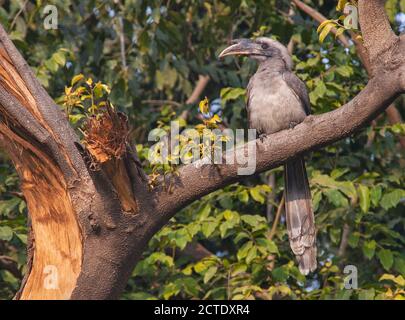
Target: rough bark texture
x=392 y=113
x=93 y=225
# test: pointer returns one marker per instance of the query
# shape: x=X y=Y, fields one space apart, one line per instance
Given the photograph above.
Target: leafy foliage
x=222 y=246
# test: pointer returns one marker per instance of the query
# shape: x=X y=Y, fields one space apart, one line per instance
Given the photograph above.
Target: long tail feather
x=300 y=217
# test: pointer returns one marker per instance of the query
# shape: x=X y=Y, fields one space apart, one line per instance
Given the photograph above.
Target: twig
x=344 y=241
x=17 y=15
x=277 y=218
x=319 y=18
x=198 y=90
x=270 y=199
x=290 y=46
x=17 y=194
x=195 y=95
x=162 y=102
x=6 y=263
x=122 y=42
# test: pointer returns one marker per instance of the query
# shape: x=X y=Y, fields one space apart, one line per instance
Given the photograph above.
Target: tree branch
x=198 y=90
x=317 y=16
x=392 y=113
x=277 y=218
x=6 y=263
x=376 y=30
x=316 y=131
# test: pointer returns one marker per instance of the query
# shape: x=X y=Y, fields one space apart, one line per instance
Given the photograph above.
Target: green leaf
x=316 y=199
x=6 y=233
x=344 y=71
x=375 y=195
x=251 y=254
x=170 y=290
x=367 y=294
x=59 y=58
x=181 y=238
x=225 y=226
x=369 y=249
x=280 y=274
x=76 y=79
x=210 y=273
x=320 y=89
x=208 y=227
x=200 y=267
x=257 y=195
x=391 y=199
x=191 y=286
x=353 y=239
x=334 y=234
x=252 y=220
x=231 y=94
x=238 y=269
x=398 y=280
x=386 y=258
x=204 y=212
x=243 y=251
x=228 y=215
x=322 y=25
x=269 y=245
x=162 y=258
x=341 y=5
x=336 y=198
x=325 y=31
x=51 y=65
x=364 y=195
x=243 y=196
x=193 y=228
x=241 y=235
x=400 y=265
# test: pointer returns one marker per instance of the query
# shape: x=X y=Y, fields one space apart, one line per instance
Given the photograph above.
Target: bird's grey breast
x=272 y=104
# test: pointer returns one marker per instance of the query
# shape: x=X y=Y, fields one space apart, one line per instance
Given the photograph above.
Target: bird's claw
x=262 y=137
x=292 y=124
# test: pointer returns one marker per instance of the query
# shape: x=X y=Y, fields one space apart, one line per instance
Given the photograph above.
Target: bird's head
x=260 y=49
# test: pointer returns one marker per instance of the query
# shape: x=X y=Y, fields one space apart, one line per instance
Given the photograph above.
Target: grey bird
x=278 y=100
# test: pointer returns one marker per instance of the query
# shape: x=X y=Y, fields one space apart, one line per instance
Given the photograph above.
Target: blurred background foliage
x=230 y=244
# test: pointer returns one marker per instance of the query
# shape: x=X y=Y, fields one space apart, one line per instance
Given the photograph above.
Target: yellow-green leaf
x=204 y=105
x=325 y=31
x=76 y=79
x=322 y=25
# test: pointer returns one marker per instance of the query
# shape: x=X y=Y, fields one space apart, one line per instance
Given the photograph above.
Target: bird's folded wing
x=299 y=89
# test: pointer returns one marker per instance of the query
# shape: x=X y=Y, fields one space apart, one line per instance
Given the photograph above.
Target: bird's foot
x=292 y=124
x=262 y=136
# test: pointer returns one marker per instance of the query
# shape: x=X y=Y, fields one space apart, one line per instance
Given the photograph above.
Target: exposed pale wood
x=57 y=235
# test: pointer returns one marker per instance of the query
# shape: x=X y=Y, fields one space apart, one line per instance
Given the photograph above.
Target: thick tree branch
x=392 y=113
x=315 y=132
x=79 y=221
x=376 y=30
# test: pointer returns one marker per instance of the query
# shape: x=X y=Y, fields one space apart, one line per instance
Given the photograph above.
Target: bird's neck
x=272 y=64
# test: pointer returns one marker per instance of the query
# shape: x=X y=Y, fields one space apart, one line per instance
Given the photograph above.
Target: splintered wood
x=57 y=240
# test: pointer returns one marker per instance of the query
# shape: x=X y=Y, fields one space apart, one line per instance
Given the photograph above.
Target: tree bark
x=90 y=226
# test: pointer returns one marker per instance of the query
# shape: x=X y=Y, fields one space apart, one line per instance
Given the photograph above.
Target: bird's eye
x=265 y=46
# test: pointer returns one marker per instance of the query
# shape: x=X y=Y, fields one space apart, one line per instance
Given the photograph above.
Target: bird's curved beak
x=239 y=47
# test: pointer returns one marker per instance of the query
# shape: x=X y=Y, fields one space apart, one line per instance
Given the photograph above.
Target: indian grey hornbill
x=278 y=100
